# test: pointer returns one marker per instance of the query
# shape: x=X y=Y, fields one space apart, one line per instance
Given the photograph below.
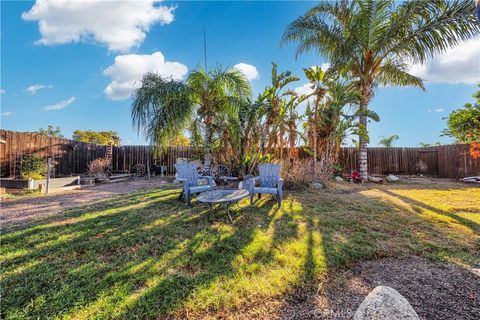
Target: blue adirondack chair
x=269 y=182
x=188 y=174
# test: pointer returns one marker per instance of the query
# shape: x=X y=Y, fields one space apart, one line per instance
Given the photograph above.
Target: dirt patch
x=29 y=209
x=435 y=290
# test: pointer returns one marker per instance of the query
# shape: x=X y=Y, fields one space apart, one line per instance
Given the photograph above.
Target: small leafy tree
x=33 y=167
x=97 y=137
x=51 y=132
x=464 y=125
x=179 y=141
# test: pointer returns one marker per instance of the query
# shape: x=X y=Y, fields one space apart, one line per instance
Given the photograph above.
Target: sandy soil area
x=28 y=209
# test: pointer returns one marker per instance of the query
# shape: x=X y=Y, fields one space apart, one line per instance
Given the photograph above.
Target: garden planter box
x=58 y=182
x=34 y=184
x=87 y=181
x=9 y=183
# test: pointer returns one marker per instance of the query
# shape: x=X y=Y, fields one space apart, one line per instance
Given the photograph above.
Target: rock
x=385 y=303
x=317 y=185
x=339 y=179
x=375 y=179
x=392 y=178
x=471 y=179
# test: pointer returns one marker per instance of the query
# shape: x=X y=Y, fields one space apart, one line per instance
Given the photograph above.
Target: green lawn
x=145 y=255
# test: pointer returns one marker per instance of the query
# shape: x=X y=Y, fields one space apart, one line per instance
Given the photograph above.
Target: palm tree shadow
x=418 y=204
x=300 y=302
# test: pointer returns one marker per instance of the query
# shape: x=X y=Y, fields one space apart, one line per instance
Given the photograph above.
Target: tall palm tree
x=162 y=108
x=376 y=40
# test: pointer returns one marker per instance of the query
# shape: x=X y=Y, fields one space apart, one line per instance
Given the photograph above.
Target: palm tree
x=215 y=92
x=376 y=40
x=334 y=123
x=272 y=106
x=162 y=108
x=388 y=141
x=292 y=119
x=318 y=81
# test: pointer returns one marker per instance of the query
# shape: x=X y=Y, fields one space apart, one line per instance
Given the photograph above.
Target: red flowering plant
x=355 y=177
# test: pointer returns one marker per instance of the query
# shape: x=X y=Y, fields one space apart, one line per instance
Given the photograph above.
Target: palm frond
x=161 y=108
x=397 y=74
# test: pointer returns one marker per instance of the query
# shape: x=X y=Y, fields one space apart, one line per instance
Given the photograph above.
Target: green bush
x=33 y=167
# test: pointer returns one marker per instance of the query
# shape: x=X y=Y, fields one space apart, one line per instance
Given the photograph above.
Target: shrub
x=99 y=167
x=338 y=169
x=300 y=174
x=422 y=166
x=33 y=167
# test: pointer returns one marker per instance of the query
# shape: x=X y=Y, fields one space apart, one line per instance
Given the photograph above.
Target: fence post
x=49 y=171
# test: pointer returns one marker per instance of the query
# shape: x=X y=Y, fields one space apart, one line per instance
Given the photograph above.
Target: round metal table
x=223 y=196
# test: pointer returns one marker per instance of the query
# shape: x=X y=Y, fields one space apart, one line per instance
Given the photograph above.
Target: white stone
x=385 y=303
x=339 y=179
x=317 y=185
x=392 y=178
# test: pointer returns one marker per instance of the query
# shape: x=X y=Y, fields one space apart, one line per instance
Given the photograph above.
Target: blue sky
x=78 y=71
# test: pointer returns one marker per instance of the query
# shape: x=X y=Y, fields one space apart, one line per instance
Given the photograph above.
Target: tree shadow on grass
x=418 y=204
x=140 y=256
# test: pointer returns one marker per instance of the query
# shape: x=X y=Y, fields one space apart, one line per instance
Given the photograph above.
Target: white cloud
x=429 y=110
x=58 y=106
x=436 y=110
x=35 y=87
x=325 y=66
x=460 y=64
x=308 y=88
x=128 y=69
x=248 y=70
x=439 y=110
x=304 y=89
x=2 y=91
x=5 y=114
x=120 y=25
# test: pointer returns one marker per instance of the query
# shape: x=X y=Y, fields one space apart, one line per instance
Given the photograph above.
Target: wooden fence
x=448 y=161
x=69 y=156
x=72 y=157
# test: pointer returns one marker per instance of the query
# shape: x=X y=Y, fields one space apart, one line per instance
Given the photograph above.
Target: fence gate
x=429 y=162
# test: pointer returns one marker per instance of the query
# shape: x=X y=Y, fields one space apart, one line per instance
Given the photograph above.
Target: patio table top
x=222 y=196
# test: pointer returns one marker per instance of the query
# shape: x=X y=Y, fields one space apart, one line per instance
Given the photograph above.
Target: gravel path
x=28 y=209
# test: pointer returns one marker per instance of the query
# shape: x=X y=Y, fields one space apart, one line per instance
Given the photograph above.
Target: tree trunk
x=281 y=142
x=362 y=150
x=315 y=136
x=208 y=146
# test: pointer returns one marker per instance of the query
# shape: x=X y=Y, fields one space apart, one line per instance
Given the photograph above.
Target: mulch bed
x=435 y=290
